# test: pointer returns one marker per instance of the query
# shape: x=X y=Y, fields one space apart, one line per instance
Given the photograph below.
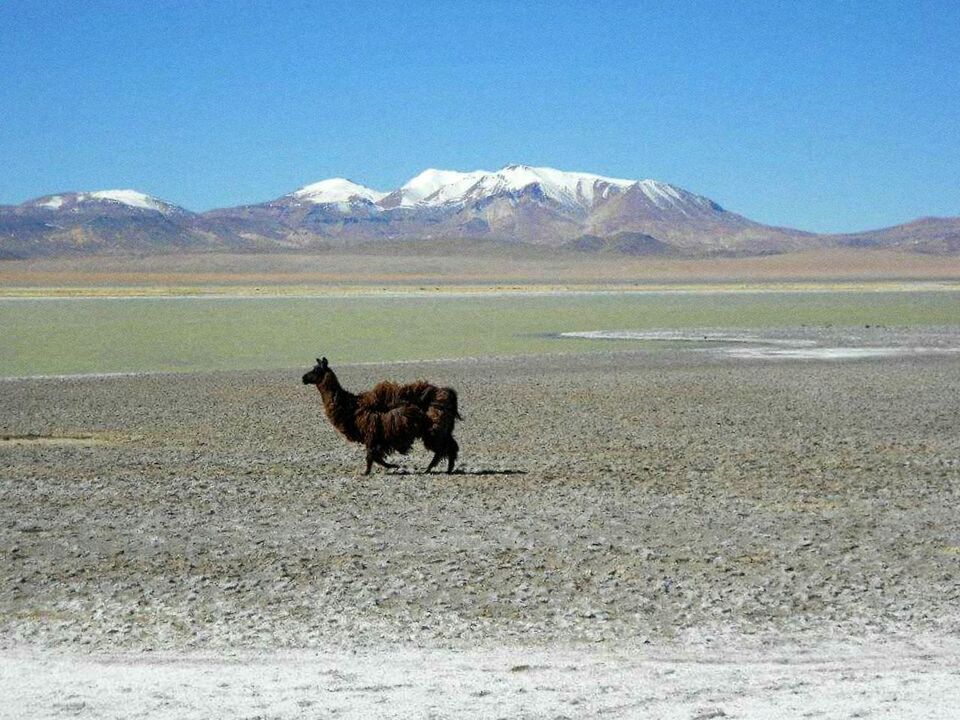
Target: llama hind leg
x=369 y=462
x=453 y=449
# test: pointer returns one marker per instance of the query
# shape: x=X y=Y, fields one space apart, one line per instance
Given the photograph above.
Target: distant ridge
x=521 y=204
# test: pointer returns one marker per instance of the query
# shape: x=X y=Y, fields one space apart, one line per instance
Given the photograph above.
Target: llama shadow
x=488 y=472
x=458 y=471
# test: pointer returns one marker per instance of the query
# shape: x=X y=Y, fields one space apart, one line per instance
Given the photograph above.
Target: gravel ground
x=641 y=499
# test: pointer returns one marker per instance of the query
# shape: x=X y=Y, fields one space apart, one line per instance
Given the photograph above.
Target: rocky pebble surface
x=676 y=532
x=627 y=498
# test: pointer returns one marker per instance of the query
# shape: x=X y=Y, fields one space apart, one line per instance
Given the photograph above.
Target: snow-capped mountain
x=91 y=201
x=546 y=206
x=337 y=191
x=516 y=204
x=432 y=188
x=98 y=221
x=446 y=188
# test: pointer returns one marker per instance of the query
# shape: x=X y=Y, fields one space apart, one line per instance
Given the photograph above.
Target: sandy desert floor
x=413 y=267
x=683 y=532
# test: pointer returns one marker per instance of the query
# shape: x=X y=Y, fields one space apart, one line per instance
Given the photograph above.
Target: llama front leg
x=375 y=455
x=437 y=457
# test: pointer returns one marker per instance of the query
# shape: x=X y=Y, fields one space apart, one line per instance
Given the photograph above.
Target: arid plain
x=421 y=265
x=772 y=506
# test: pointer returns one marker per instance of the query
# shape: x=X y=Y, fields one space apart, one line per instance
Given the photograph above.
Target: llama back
x=418 y=393
x=392 y=416
x=393 y=430
x=424 y=395
x=384 y=396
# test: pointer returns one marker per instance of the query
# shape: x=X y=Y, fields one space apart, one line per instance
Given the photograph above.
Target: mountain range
x=516 y=204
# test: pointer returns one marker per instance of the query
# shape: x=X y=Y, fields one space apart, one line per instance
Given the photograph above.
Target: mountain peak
x=578 y=190
x=438 y=187
x=128 y=198
x=132 y=198
x=337 y=190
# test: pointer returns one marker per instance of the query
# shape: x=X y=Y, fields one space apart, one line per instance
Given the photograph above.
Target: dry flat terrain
x=645 y=500
x=418 y=265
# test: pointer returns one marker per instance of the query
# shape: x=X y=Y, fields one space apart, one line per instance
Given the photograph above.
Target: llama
x=390 y=417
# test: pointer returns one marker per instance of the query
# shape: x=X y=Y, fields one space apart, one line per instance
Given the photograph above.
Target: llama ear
x=323 y=362
x=319 y=361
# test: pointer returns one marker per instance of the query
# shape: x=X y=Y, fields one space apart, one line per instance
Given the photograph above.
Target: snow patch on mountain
x=439 y=187
x=567 y=188
x=570 y=189
x=337 y=191
x=54 y=202
x=131 y=198
x=664 y=195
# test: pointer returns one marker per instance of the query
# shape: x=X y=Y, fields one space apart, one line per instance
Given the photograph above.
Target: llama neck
x=339 y=405
x=331 y=389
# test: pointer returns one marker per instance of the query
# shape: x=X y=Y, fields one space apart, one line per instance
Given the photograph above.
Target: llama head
x=317 y=373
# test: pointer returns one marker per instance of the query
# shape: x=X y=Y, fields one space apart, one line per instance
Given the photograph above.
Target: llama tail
x=453 y=403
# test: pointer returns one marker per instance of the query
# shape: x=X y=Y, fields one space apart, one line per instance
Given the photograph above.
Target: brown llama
x=390 y=417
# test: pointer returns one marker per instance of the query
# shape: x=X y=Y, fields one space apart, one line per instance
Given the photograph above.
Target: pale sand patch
x=826 y=681
x=686 y=336
x=763 y=347
x=832 y=353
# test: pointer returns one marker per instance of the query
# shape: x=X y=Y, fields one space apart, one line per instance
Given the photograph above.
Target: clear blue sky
x=825 y=116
